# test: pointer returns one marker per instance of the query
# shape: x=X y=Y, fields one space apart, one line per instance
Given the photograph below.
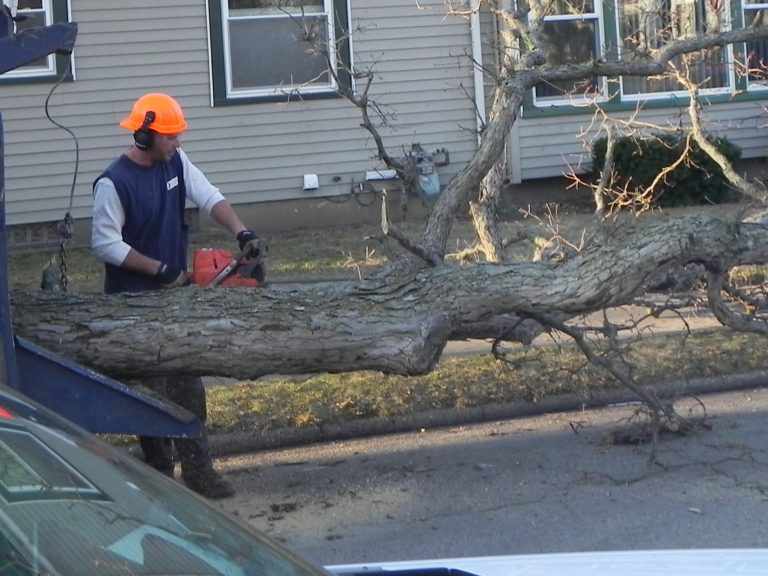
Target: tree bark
x=395 y=326
x=484 y=213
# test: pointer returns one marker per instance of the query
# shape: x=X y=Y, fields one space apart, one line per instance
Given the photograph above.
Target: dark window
x=571 y=35
x=278 y=49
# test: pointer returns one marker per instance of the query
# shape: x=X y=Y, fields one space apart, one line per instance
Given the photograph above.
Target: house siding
x=258 y=152
x=254 y=152
x=550 y=146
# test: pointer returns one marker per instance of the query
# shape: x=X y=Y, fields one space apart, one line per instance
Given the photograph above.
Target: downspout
x=477 y=65
x=513 y=139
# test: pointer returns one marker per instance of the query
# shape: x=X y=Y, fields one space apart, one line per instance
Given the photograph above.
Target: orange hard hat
x=168 y=116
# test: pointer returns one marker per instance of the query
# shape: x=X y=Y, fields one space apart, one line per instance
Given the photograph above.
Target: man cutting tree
x=140 y=234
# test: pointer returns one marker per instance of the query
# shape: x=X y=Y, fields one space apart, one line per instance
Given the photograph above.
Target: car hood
x=710 y=562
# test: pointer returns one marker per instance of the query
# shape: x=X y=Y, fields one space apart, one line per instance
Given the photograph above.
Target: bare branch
x=757 y=191
x=393 y=232
x=724 y=314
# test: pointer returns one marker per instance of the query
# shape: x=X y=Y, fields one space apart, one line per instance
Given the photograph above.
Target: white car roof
x=707 y=562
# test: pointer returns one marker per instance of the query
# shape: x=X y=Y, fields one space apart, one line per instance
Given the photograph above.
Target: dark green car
x=71 y=504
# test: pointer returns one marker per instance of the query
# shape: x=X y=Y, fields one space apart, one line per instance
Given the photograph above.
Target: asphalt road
x=551 y=483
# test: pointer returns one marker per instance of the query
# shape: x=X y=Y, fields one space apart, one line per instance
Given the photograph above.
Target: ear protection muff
x=144 y=137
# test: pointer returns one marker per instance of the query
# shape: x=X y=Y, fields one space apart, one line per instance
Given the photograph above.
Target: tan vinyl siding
x=253 y=152
x=548 y=145
x=258 y=152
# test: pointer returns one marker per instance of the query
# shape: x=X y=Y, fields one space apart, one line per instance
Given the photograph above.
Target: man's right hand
x=171 y=277
x=249 y=242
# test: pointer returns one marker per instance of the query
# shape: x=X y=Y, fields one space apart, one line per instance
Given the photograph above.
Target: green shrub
x=697 y=180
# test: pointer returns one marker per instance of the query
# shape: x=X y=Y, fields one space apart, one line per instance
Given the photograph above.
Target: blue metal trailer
x=88 y=398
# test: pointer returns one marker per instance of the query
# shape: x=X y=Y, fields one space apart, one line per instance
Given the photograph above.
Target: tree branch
x=391 y=325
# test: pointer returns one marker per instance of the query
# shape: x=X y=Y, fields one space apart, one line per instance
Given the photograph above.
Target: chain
x=66 y=231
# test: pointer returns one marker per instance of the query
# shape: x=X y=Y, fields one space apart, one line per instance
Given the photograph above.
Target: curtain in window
x=757 y=50
x=647 y=25
x=570 y=35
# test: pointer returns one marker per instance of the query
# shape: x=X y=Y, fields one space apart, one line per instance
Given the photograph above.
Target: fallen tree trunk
x=394 y=326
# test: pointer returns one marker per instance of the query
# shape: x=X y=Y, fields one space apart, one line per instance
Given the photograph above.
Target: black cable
x=66 y=226
x=70 y=132
x=366 y=187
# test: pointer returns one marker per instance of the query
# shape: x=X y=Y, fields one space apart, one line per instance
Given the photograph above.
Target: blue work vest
x=153 y=198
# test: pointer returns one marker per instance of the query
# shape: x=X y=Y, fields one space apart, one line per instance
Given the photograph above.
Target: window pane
x=274 y=52
x=275 y=49
x=568 y=42
x=33 y=20
x=647 y=25
x=573 y=6
x=30 y=471
x=265 y=7
x=563 y=7
x=30 y=5
x=757 y=50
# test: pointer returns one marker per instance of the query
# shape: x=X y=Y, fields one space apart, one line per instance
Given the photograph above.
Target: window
x=646 y=25
x=581 y=30
x=756 y=51
x=31 y=471
x=39 y=13
x=573 y=32
x=278 y=49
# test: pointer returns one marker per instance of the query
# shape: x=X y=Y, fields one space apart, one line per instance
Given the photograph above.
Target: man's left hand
x=171 y=277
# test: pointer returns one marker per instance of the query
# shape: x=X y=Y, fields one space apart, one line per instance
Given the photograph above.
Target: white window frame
x=601 y=94
x=289 y=87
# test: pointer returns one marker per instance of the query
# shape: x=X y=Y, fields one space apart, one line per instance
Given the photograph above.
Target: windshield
x=71 y=504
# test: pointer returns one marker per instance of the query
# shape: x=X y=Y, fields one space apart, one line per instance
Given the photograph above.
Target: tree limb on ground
x=396 y=325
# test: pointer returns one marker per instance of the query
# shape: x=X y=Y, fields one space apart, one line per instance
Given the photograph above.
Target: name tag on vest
x=172 y=183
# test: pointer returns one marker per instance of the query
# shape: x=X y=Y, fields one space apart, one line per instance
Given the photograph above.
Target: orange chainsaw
x=218 y=267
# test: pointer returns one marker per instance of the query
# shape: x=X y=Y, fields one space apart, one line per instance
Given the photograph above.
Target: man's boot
x=197 y=469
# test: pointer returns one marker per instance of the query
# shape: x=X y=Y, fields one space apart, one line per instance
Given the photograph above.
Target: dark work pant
x=194 y=454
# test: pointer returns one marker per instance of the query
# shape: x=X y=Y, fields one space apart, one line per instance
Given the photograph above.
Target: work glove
x=256 y=253
x=249 y=243
x=171 y=277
